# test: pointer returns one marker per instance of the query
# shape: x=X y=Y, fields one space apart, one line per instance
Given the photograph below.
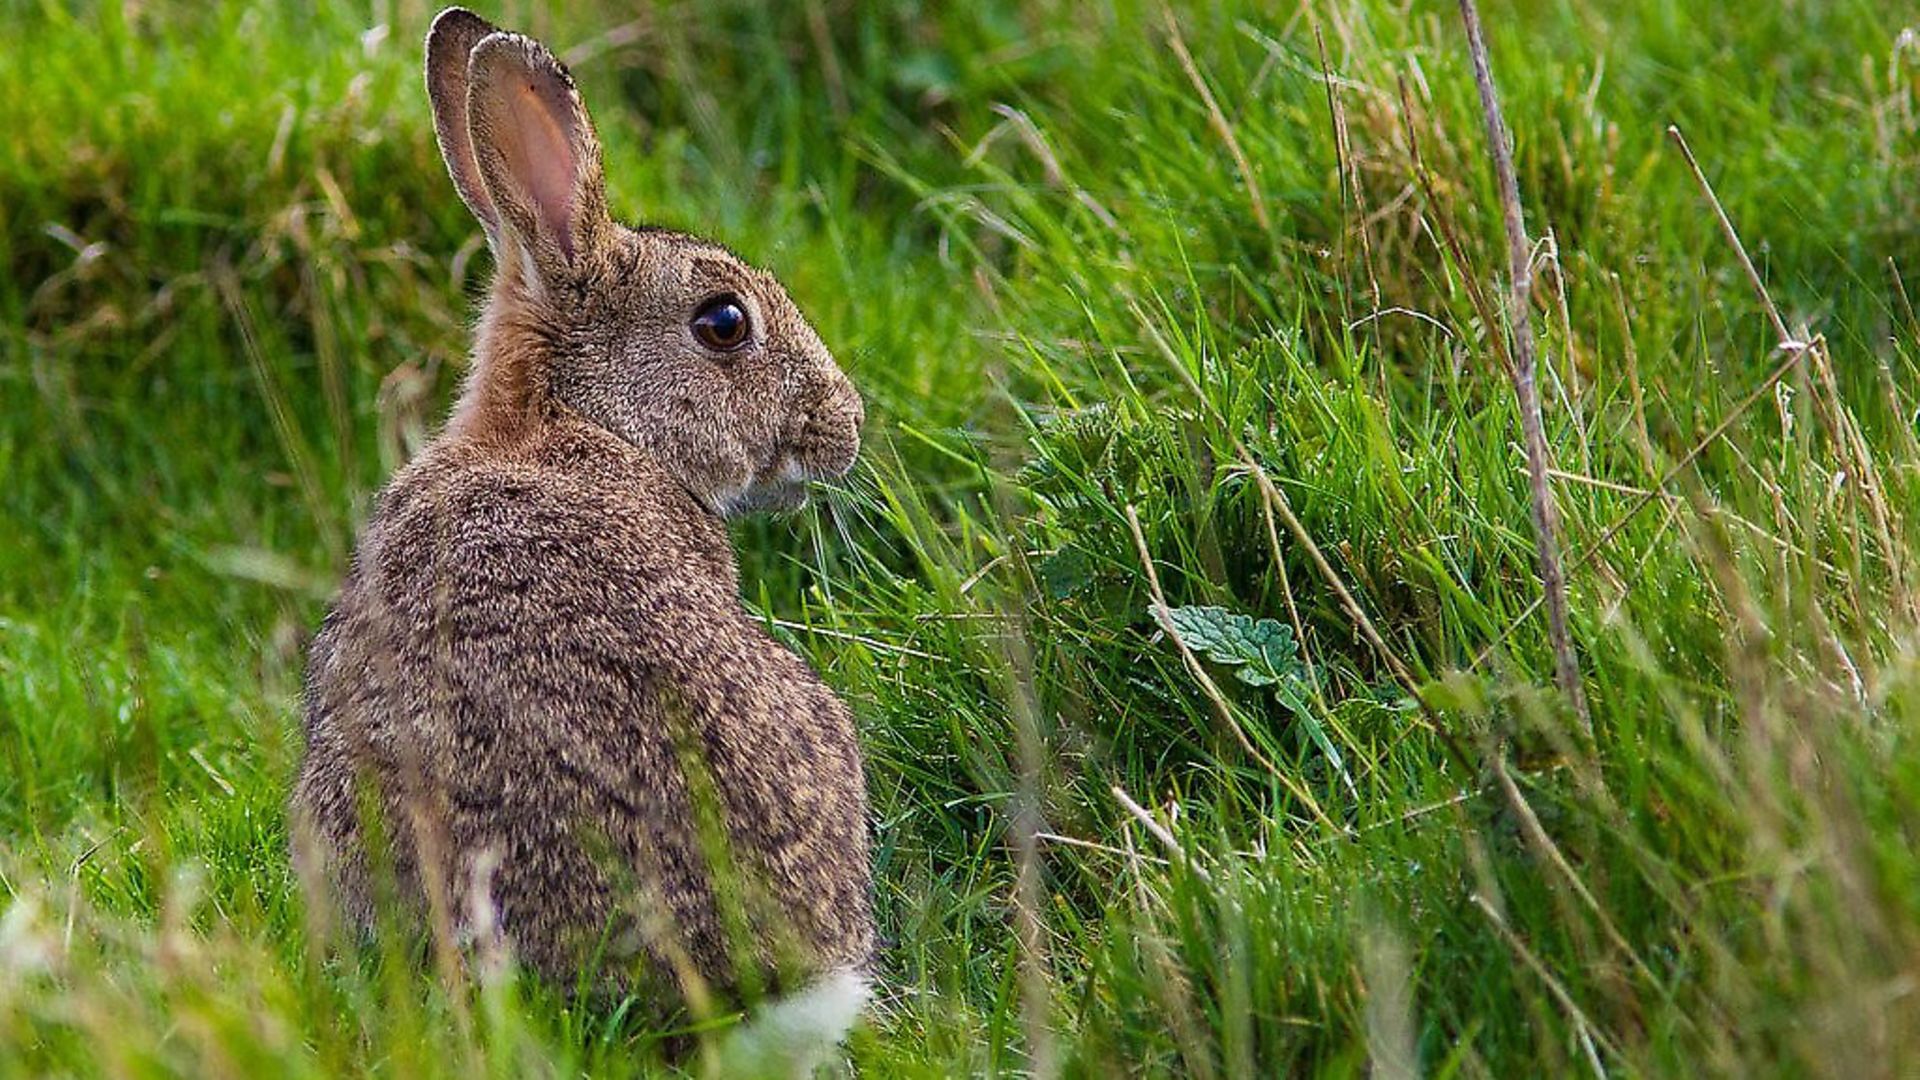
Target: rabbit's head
x=668 y=341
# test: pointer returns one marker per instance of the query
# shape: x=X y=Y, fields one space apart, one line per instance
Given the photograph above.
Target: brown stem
x=1546 y=524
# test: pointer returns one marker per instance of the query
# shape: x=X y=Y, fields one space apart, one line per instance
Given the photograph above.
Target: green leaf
x=1262 y=652
x=1263 y=649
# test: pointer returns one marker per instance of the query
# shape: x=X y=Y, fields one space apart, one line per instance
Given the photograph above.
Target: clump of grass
x=1156 y=310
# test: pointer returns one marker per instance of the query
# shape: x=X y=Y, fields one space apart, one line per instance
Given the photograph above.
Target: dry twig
x=1546 y=525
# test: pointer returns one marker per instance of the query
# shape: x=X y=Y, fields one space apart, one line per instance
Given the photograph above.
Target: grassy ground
x=233 y=282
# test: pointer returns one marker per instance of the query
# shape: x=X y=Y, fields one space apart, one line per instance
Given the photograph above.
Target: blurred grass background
x=234 y=282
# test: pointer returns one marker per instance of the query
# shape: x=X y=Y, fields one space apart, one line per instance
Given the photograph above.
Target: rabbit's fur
x=538 y=684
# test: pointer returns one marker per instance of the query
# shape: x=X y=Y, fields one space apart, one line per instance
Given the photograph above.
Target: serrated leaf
x=1264 y=649
x=1262 y=652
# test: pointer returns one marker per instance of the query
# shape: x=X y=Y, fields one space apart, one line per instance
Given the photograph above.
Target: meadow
x=1187 y=592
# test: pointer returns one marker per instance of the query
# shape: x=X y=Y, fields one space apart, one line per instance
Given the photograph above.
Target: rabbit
x=538 y=684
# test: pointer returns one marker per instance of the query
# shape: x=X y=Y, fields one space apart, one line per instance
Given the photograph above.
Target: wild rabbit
x=538 y=682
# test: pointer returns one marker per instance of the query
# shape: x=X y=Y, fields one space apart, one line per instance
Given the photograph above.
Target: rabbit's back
x=542 y=666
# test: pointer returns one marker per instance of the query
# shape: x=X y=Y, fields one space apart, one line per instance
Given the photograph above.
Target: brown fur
x=539 y=660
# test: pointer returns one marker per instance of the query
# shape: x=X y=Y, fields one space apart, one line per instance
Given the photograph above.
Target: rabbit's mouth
x=782 y=487
x=773 y=495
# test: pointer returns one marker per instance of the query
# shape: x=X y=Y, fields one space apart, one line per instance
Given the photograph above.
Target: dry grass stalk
x=1845 y=432
x=1546 y=526
x=1272 y=502
x=1658 y=490
x=1029 y=888
x=822 y=36
x=1441 y=226
x=1286 y=588
x=1542 y=843
x=1350 y=186
x=1219 y=120
x=1158 y=832
x=1643 y=441
x=1027 y=820
x=1590 y=1036
x=1277 y=503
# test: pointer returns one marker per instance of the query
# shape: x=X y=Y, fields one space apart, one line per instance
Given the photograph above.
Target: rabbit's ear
x=449 y=44
x=536 y=150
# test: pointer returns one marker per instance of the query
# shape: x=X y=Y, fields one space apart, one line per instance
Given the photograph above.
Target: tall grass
x=1115 y=279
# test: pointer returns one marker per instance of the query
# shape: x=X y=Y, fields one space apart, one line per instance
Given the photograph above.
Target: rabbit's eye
x=721 y=324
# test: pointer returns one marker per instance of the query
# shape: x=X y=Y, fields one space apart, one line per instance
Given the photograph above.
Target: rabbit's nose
x=839 y=402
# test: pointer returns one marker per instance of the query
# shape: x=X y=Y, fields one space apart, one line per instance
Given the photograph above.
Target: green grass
x=234 y=282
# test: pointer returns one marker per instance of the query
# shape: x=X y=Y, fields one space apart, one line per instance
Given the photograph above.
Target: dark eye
x=721 y=324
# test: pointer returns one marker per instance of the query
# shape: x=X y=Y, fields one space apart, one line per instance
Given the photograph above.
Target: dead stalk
x=1543 y=845
x=1277 y=503
x=1218 y=119
x=1442 y=227
x=1733 y=238
x=1029 y=886
x=1845 y=433
x=1584 y=1029
x=1349 y=181
x=1659 y=488
x=1643 y=441
x=1159 y=832
x=1027 y=819
x=1546 y=526
x=1286 y=588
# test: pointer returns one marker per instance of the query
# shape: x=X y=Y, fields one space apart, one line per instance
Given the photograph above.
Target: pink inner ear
x=539 y=148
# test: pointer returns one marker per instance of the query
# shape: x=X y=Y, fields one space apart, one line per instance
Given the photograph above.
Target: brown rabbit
x=538 y=680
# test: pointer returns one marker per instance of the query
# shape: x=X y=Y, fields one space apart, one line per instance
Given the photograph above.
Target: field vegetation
x=1187 y=592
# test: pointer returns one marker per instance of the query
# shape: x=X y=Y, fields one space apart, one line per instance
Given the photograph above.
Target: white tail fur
x=792 y=1036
